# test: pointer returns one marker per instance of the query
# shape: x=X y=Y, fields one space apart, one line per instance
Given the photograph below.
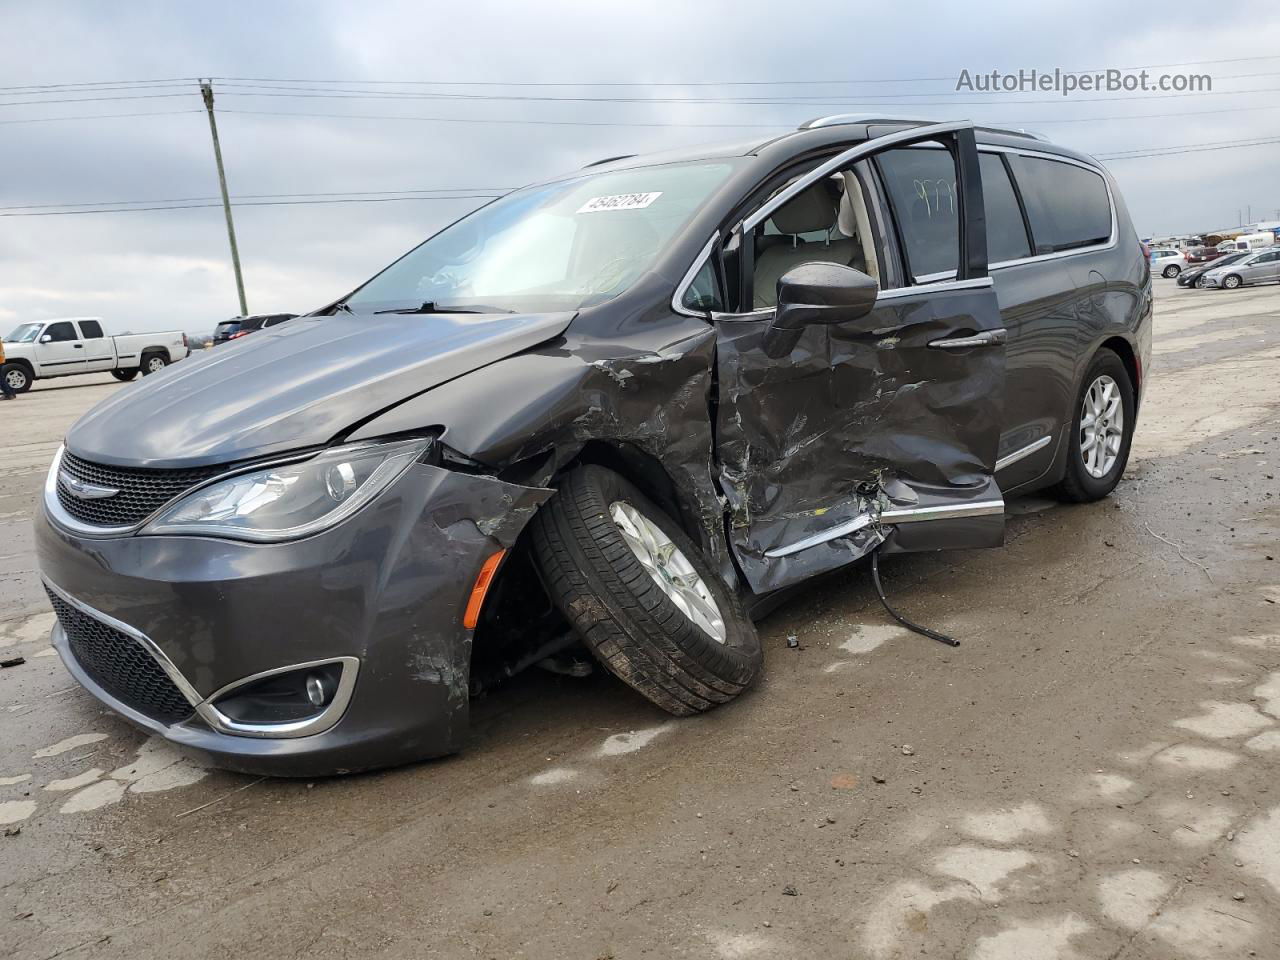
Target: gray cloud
x=155 y=269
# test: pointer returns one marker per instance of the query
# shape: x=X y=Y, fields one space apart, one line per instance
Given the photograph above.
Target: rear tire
x=17 y=376
x=626 y=618
x=125 y=375
x=153 y=363
x=1171 y=271
x=1082 y=484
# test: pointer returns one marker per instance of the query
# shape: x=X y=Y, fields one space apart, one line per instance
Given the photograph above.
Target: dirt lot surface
x=1092 y=774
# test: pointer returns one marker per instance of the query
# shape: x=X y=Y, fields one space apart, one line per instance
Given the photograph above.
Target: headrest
x=813 y=209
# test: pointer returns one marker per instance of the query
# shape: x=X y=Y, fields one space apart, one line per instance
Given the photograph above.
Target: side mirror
x=817 y=293
x=46 y=339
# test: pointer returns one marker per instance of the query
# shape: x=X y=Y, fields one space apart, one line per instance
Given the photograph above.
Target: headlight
x=292 y=500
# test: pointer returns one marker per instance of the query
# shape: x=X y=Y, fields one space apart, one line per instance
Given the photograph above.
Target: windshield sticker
x=619 y=201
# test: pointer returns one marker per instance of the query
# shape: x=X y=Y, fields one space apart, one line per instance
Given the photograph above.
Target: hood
x=295 y=385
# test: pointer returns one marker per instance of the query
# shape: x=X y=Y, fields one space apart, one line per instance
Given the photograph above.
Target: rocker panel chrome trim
x=949 y=511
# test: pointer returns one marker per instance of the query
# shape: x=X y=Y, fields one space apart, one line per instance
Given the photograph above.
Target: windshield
x=558 y=246
x=25 y=333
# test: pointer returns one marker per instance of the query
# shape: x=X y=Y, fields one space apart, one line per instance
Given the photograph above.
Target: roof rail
x=621 y=156
x=840 y=118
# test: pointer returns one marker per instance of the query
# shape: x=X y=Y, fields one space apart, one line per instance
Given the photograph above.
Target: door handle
x=988 y=338
x=78 y=346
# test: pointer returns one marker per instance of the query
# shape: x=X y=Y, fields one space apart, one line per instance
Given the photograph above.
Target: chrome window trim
x=321 y=722
x=676 y=298
x=894 y=515
x=1010 y=459
x=895 y=293
x=852 y=155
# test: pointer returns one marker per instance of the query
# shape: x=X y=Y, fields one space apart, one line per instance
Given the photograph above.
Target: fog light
x=285 y=697
x=315 y=690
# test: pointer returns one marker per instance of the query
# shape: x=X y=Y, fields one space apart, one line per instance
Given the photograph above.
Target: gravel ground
x=1092 y=774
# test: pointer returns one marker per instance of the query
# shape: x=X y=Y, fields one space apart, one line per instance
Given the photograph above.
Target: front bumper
x=386 y=589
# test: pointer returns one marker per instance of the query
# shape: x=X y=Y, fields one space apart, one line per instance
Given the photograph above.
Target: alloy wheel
x=155 y=365
x=1101 y=426
x=16 y=379
x=669 y=568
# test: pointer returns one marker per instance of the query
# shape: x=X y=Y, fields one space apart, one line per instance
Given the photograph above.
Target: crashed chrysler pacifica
x=628 y=408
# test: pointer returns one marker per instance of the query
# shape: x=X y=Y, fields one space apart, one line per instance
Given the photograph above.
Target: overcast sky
x=154 y=269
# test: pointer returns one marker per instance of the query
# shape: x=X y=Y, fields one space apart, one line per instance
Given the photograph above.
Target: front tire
x=17 y=377
x=642 y=595
x=1231 y=282
x=125 y=375
x=1171 y=271
x=1101 y=431
x=154 y=363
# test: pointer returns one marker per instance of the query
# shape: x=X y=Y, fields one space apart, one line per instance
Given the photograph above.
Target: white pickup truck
x=65 y=347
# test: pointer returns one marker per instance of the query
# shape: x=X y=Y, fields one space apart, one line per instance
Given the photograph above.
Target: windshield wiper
x=432 y=307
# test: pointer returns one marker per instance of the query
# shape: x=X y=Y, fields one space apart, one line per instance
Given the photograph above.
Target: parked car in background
x=1192 y=276
x=238 y=327
x=1167 y=262
x=1197 y=255
x=1262 y=266
x=65 y=347
x=628 y=407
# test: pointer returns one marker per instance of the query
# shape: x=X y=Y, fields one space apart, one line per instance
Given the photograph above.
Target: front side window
x=921 y=184
x=91 y=329
x=703 y=293
x=60 y=332
x=1068 y=206
x=557 y=246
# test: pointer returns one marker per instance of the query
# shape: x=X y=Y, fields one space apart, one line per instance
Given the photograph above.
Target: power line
x=1189 y=149
x=272 y=196
x=140 y=96
x=263 y=203
x=102 y=116
x=552 y=123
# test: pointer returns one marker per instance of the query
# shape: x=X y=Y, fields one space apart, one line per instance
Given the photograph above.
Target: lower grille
x=120 y=665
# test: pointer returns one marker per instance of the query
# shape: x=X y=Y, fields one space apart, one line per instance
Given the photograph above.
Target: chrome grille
x=143 y=490
x=120 y=665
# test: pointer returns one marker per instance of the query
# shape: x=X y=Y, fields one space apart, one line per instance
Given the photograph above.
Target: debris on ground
x=790 y=891
x=844 y=781
x=13 y=662
x=908 y=750
x=793 y=641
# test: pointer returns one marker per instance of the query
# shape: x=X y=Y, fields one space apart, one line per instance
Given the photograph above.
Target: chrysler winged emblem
x=85 y=491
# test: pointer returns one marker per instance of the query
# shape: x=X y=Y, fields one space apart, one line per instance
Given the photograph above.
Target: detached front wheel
x=641 y=594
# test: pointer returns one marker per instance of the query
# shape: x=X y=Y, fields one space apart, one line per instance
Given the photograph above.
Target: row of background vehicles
x=1242 y=262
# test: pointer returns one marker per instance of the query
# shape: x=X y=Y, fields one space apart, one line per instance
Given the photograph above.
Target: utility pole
x=206 y=91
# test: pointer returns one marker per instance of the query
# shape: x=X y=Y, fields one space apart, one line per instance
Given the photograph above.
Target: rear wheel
x=154 y=363
x=1231 y=282
x=125 y=375
x=17 y=377
x=1101 y=431
x=641 y=594
x=1171 y=271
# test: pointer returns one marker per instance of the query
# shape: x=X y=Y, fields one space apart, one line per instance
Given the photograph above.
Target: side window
x=1067 y=205
x=61 y=332
x=1006 y=231
x=824 y=223
x=921 y=184
x=91 y=329
x=703 y=294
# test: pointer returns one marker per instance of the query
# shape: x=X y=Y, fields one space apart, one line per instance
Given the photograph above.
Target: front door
x=59 y=350
x=881 y=431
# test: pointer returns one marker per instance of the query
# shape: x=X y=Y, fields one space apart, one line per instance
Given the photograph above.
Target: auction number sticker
x=619 y=201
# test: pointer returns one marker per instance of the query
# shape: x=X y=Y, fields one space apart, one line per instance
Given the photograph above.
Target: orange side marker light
x=483 y=581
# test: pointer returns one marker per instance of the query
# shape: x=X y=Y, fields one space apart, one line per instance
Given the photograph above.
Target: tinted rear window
x=231 y=326
x=253 y=323
x=1067 y=205
x=90 y=329
x=1006 y=233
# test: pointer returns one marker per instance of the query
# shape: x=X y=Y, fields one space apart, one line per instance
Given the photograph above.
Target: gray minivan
x=630 y=407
